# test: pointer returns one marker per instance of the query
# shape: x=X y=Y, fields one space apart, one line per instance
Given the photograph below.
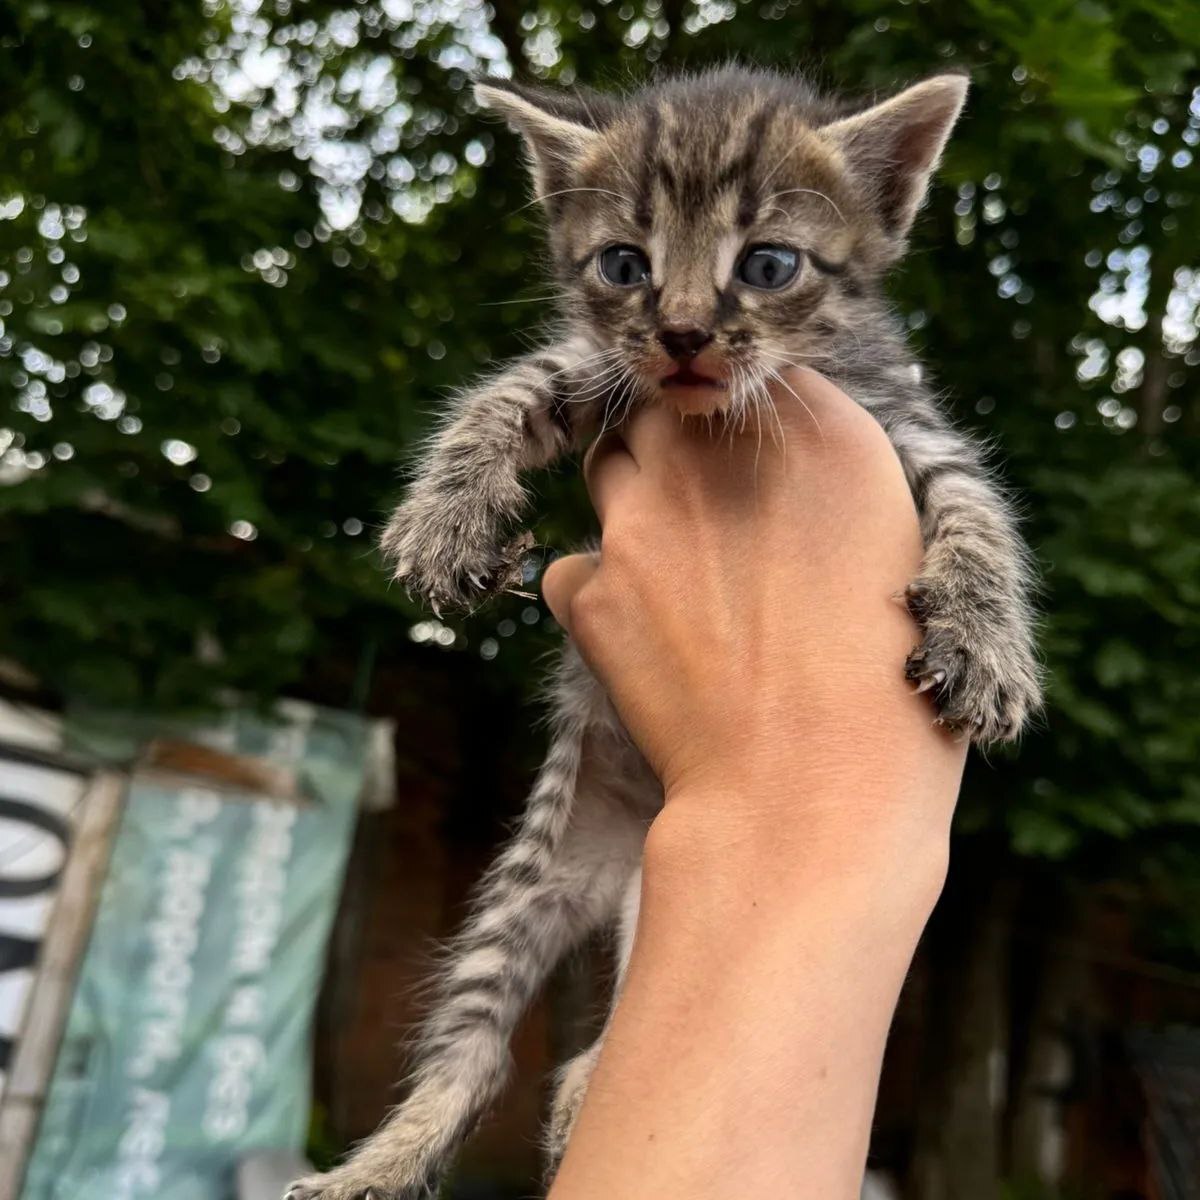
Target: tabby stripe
x=472 y=1019
x=643 y=210
x=748 y=201
x=670 y=184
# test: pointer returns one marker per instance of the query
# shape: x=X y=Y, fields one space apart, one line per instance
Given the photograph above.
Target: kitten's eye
x=624 y=266
x=768 y=267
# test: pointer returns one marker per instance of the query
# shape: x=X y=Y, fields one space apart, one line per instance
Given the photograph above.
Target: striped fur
x=571 y=867
x=692 y=171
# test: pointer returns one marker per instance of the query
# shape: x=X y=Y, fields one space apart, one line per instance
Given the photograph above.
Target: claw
x=916 y=599
x=951 y=726
x=932 y=680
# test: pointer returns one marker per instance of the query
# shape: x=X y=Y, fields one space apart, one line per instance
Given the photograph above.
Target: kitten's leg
x=559 y=877
x=972 y=597
x=574 y=1076
x=571 y=1084
x=452 y=538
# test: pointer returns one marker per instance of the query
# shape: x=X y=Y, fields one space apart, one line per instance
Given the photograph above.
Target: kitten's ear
x=894 y=147
x=556 y=126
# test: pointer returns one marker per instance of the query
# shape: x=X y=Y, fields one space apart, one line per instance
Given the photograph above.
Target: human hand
x=744 y=602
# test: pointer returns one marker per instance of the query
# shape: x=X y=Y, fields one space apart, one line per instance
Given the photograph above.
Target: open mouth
x=685 y=376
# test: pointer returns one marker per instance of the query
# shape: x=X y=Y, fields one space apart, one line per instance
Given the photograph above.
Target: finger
x=655 y=431
x=607 y=469
x=810 y=404
x=563 y=578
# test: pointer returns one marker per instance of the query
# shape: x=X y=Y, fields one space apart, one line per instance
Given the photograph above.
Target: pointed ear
x=556 y=128
x=894 y=147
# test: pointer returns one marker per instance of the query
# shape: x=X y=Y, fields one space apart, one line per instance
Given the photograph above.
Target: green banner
x=188 y=1042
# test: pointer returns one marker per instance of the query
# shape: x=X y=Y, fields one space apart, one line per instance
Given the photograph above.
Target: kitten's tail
x=540 y=897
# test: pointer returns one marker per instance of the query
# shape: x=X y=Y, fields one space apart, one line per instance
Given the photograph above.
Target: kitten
x=708 y=231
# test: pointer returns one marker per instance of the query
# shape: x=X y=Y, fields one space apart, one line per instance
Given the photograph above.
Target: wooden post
x=58 y=964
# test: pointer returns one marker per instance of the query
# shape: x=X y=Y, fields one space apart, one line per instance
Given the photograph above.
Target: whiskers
x=621 y=399
x=602 y=375
x=610 y=379
x=775 y=374
x=806 y=192
x=525 y=300
x=751 y=398
x=602 y=359
x=766 y=200
x=568 y=191
x=755 y=391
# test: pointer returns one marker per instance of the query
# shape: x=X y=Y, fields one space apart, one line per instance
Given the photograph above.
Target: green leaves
x=1120 y=663
x=218 y=387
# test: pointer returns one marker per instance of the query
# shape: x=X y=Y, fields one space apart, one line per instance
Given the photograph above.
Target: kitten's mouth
x=688 y=376
x=695 y=393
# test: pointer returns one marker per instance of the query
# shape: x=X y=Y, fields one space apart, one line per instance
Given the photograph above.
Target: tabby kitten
x=707 y=231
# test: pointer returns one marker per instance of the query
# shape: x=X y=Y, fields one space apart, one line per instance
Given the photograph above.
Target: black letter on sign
x=19 y=953
x=41 y=818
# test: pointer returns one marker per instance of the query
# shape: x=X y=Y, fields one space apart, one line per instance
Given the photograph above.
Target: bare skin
x=809 y=797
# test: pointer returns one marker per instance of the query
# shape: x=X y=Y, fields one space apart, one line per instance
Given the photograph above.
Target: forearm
x=744 y=1054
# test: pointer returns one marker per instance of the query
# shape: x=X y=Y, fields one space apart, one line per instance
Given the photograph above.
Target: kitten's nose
x=685 y=342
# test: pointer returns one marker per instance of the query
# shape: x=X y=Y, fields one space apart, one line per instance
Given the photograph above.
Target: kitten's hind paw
x=345 y=1183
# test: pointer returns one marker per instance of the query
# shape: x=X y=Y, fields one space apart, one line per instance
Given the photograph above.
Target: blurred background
x=246 y=247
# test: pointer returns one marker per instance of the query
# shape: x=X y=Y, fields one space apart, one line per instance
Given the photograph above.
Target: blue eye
x=624 y=266
x=768 y=267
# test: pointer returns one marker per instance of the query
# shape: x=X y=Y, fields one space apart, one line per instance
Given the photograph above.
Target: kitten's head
x=712 y=229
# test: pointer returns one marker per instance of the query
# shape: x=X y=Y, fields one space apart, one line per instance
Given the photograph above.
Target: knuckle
x=678 y=475
x=861 y=451
x=598 y=455
x=622 y=542
x=585 y=610
x=858 y=436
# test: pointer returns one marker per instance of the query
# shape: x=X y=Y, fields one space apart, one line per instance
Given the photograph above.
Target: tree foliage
x=246 y=245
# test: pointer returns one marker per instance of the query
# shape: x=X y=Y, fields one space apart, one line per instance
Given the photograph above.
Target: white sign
x=37 y=808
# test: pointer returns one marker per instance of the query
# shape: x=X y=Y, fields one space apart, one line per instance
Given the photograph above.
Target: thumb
x=563 y=578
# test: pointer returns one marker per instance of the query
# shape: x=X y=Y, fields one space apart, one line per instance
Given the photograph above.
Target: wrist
x=784 y=848
x=867 y=801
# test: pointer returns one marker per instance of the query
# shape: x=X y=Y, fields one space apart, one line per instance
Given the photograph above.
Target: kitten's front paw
x=983 y=679
x=449 y=557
